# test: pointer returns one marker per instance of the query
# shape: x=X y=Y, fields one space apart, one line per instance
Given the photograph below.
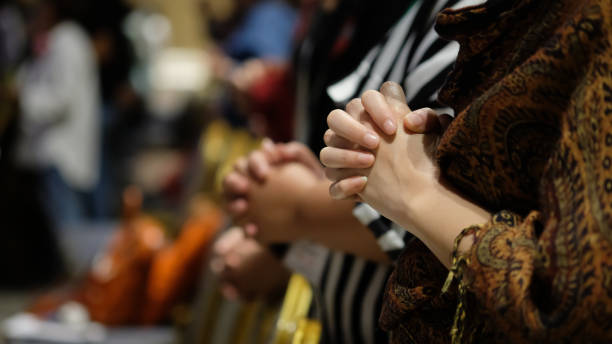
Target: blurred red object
x=273 y=96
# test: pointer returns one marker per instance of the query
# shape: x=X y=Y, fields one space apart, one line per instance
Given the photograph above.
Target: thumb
x=422 y=121
x=396 y=98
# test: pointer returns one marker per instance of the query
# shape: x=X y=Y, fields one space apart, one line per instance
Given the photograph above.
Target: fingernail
x=267 y=142
x=360 y=183
x=365 y=158
x=327 y=136
x=415 y=120
x=393 y=91
x=389 y=127
x=371 y=140
x=336 y=193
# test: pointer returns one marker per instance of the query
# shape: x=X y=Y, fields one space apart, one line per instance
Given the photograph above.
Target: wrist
x=438 y=215
x=416 y=203
x=304 y=212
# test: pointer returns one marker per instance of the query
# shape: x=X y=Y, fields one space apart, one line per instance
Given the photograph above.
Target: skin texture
x=279 y=194
x=246 y=269
x=404 y=182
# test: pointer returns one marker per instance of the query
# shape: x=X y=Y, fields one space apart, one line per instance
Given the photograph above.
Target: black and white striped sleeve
x=390 y=237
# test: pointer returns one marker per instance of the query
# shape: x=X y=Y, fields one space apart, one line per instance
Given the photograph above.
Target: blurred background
x=117 y=119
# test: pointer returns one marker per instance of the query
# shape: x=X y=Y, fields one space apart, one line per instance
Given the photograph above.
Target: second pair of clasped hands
x=380 y=152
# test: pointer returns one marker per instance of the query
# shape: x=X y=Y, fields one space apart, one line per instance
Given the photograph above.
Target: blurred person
x=122 y=107
x=29 y=254
x=60 y=125
x=279 y=191
x=12 y=35
x=12 y=43
x=252 y=58
x=253 y=28
x=265 y=32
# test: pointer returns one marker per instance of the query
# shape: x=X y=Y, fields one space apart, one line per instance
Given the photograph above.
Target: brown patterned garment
x=532 y=143
x=413 y=302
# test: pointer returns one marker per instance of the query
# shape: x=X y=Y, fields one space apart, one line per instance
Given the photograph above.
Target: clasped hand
x=262 y=193
x=368 y=158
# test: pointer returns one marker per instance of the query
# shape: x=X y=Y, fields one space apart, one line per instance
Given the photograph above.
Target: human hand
x=246 y=269
x=403 y=162
x=256 y=168
x=353 y=134
x=221 y=65
x=274 y=205
x=237 y=183
x=248 y=73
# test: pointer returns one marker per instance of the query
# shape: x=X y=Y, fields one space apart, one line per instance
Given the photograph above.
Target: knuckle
x=327 y=156
x=328 y=136
x=292 y=145
x=230 y=180
x=354 y=104
x=251 y=157
x=257 y=154
x=369 y=93
x=254 y=158
x=387 y=84
x=334 y=115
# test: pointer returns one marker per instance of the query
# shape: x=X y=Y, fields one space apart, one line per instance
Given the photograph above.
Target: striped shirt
x=348 y=290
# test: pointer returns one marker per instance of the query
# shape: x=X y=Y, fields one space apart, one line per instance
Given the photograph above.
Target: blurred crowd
x=159 y=159
x=105 y=109
x=126 y=115
x=99 y=96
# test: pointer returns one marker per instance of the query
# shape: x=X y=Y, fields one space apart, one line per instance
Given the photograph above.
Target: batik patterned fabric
x=532 y=143
x=414 y=310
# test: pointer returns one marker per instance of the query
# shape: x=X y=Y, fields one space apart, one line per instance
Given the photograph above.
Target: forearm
x=331 y=223
x=438 y=217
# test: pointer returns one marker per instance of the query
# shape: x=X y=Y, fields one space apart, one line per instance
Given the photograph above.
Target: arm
x=535 y=276
x=280 y=203
x=293 y=204
x=331 y=223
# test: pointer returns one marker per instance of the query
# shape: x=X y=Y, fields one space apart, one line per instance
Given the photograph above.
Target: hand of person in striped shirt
x=256 y=167
x=279 y=194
